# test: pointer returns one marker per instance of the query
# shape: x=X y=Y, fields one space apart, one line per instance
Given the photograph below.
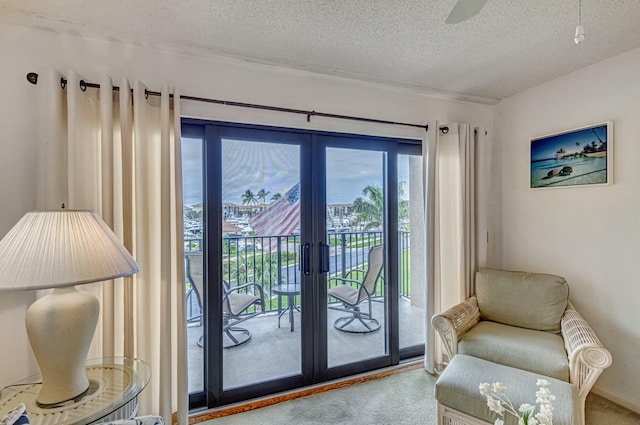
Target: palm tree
x=369 y=210
x=276 y=196
x=249 y=198
x=403 y=204
x=262 y=195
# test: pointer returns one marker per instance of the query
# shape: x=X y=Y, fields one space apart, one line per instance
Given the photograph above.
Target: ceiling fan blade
x=463 y=10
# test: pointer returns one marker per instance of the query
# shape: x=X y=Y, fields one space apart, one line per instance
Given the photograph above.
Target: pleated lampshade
x=51 y=249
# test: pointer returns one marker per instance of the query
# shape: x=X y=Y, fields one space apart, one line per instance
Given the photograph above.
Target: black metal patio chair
x=352 y=292
x=237 y=302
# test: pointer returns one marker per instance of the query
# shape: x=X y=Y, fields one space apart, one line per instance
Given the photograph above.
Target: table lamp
x=61 y=249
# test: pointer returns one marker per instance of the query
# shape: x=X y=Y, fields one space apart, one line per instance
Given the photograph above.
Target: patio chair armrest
x=345 y=280
x=354 y=271
x=247 y=285
x=587 y=356
x=454 y=322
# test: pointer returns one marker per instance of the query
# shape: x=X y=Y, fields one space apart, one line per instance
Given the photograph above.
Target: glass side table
x=290 y=290
x=114 y=386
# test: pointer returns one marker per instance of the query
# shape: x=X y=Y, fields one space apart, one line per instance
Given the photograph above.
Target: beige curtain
x=118 y=153
x=449 y=175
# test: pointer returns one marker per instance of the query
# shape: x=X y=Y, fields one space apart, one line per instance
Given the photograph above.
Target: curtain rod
x=32 y=77
x=445 y=130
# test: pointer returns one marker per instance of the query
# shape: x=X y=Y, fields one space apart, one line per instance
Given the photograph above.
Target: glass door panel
x=192 y=176
x=261 y=279
x=411 y=251
x=357 y=327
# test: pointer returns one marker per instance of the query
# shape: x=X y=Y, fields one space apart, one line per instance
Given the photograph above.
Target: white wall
x=24 y=50
x=589 y=235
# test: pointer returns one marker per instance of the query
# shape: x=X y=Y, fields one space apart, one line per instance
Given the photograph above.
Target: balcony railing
x=274 y=260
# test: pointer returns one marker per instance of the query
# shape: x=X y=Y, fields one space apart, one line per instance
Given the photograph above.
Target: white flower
x=524 y=407
x=547 y=409
x=542 y=383
x=498 y=402
x=544 y=396
x=544 y=418
x=485 y=389
x=499 y=388
x=495 y=405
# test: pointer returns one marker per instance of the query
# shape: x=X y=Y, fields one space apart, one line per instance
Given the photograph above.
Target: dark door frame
x=314 y=292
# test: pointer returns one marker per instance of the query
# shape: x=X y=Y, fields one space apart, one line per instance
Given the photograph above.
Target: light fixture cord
x=580 y=12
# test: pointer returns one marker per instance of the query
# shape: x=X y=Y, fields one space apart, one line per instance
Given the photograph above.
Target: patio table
x=290 y=290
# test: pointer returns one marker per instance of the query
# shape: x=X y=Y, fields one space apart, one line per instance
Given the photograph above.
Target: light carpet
x=404 y=398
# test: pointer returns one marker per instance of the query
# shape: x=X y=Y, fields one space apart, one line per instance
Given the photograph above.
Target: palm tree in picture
x=276 y=196
x=603 y=144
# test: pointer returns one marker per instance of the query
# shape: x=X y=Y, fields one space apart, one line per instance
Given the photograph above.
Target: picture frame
x=577 y=157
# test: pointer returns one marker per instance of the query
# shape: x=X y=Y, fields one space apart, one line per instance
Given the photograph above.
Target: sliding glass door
x=357 y=295
x=292 y=277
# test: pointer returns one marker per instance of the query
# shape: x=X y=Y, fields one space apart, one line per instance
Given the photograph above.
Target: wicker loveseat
x=525 y=321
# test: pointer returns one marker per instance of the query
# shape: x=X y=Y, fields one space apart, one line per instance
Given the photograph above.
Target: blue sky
x=546 y=147
x=274 y=167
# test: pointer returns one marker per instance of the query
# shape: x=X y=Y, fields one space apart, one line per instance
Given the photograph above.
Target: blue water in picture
x=585 y=170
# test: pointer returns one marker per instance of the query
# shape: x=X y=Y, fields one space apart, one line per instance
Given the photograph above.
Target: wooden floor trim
x=303 y=392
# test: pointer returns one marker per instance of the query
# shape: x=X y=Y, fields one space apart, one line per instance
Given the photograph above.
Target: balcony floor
x=275 y=351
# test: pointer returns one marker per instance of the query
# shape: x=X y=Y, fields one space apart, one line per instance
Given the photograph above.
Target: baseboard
x=633 y=405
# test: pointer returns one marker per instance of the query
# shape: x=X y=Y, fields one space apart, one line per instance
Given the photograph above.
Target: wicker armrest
x=587 y=357
x=454 y=322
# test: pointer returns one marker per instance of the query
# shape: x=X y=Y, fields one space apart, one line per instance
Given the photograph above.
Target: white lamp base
x=60 y=328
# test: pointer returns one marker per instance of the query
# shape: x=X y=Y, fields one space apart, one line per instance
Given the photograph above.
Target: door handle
x=305 y=259
x=324 y=257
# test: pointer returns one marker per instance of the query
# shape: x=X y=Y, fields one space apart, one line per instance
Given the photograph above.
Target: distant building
x=231 y=210
x=340 y=211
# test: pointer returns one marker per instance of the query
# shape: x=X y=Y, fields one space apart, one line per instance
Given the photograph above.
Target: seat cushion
x=534 y=351
x=528 y=300
x=344 y=293
x=240 y=302
x=457 y=388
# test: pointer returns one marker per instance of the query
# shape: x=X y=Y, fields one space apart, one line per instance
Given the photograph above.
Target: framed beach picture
x=580 y=157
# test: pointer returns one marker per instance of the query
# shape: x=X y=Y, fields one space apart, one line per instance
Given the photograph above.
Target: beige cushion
x=239 y=302
x=528 y=300
x=345 y=293
x=457 y=387
x=535 y=351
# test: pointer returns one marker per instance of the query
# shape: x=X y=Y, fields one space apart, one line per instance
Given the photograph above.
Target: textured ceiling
x=511 y=45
